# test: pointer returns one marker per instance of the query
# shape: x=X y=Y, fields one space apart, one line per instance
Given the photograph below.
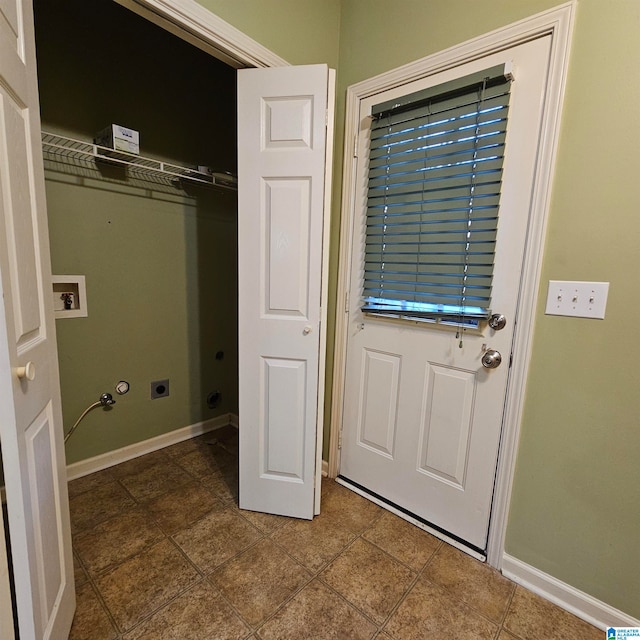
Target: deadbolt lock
x=497 y=321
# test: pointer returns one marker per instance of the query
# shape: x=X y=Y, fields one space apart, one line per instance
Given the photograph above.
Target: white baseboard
x=581 y=604
x=105 y=460
x=325 y=469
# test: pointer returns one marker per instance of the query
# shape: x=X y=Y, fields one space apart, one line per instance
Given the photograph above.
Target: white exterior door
x=282 y=152
x=30 y=416
x=422 y=417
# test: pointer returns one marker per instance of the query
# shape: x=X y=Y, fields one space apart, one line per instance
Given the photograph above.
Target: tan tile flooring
x=163 y=552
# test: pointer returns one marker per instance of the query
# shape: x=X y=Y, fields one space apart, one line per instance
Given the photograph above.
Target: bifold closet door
x=282 y=152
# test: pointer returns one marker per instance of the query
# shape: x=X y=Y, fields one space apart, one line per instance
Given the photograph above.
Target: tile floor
x=162 y=552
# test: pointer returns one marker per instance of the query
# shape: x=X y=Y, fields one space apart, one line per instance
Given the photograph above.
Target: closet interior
x=153 y=235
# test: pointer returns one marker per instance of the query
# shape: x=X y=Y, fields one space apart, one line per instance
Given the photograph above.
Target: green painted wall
x=161 y=297
x=575 y=507
x=160 y=262
x=300 y=31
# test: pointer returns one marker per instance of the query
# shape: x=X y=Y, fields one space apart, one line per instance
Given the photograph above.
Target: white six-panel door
x=422 y=418
x=30 y=415
x=282 y=149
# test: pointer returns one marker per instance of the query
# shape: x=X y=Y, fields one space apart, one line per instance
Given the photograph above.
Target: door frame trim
x=200 y=27
x=558 y=23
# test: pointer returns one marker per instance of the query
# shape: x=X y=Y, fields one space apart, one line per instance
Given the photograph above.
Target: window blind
x=435 y=171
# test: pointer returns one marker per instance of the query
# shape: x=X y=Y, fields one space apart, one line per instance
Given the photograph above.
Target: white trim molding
x=569 y=598
x=558 y=23
x=112 y=458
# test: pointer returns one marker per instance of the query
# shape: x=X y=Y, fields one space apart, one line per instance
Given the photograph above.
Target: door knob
x=497 y=321
x=306 y=331
x=491 y=359
x=27 y=372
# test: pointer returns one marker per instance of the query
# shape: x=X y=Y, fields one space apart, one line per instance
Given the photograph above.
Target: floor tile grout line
x=377 y=625
x=506 y=614
x=467 y=604
x=317 y=576
x=421 y=575
x=99 y=596
x=109 y=568
x=439 y=546
x=241 y=512
x=461 y=601
x=120 y=562
x=314 y=572
x=254 y=627
x=104 y=606
x=221 y=503
x=404 y=564
x=202 y=577
x=106 y=471
x=251 y=627
x=284 y=604
x=400 y=601
x=184 y=554
x=417 y=577
x=510 y=600
x=150 y=615
x=97 y=589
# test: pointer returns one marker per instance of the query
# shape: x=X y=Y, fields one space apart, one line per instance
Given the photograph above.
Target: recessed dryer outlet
x=160 y=389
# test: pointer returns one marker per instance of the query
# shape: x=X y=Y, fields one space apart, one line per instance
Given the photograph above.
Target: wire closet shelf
x=81 y=151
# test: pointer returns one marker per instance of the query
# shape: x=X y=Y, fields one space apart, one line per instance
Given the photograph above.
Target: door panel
x=283 y=431
x=18 y=221
x=448 y=408
x=287 y=218
x=282 y=150
x=30 y=416
x=377 y=418
x=446 y=420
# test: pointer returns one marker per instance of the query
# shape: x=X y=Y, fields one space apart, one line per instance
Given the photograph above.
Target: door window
x=434 y=179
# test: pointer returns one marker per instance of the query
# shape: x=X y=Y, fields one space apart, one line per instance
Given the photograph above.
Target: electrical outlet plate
x=159 y=389
x=577 y=299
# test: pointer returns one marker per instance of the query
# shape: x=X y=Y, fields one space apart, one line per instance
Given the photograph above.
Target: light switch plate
x=577 y=299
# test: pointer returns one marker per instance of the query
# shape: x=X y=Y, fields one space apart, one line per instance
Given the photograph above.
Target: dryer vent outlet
x=159 y=389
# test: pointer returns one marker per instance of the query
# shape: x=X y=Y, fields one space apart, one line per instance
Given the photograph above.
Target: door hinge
x=355 y=145
x=340 y=439
x=346 y=302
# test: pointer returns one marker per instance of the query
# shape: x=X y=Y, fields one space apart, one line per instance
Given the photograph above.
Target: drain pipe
x=106 y=400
